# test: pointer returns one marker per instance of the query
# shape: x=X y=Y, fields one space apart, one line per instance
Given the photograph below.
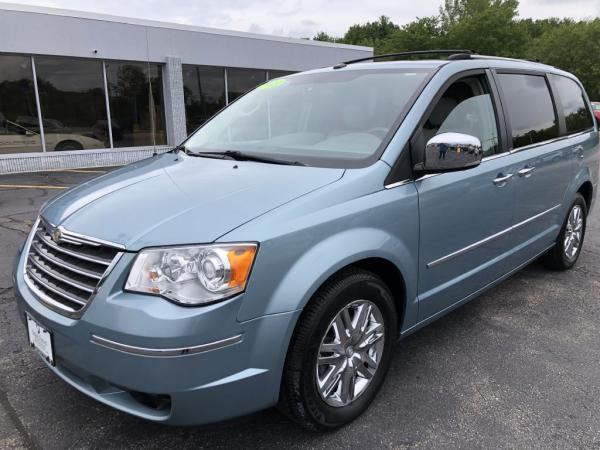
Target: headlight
x=192 y=275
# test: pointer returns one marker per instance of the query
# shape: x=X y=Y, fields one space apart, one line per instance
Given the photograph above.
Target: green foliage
x=371 y=33
x=324 y=37
x=490 y=27
x=487 y=26
x=574 y=47
x=422 y=34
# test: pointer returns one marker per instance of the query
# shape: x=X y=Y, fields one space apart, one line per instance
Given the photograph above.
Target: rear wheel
x=565 y=253
x=340 y=351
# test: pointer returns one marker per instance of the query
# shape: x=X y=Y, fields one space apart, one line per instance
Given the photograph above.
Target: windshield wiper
x=211 y=155
x=242 y=156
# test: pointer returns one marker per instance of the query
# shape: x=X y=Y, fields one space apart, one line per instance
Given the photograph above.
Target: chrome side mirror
x=452 y=151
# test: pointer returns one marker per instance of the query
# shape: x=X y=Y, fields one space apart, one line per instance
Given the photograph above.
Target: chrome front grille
x=64 y=268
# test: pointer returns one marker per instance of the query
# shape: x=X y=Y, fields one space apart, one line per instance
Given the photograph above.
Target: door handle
x=502 y=179
x=526 y=171
x=578 y=151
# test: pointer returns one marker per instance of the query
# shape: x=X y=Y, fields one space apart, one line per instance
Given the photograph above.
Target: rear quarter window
x=574 y=107
x=530 y=108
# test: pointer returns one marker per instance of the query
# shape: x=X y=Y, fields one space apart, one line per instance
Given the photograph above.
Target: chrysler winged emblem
x=56 y=235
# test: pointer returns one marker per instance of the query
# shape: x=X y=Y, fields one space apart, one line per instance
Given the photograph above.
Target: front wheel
x=568 y=245
x=340 y=351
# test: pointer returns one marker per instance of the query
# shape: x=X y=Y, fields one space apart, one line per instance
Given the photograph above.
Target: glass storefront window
x=136 y=104
x=72 y=102
x=240 y=81
x=204 y=93
x=278 y=73
x=19 y=128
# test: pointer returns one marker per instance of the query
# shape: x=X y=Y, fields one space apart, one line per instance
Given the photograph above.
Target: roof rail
x=504 y=58
x=457 y=53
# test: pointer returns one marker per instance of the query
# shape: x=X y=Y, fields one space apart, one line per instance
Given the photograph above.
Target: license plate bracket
x=40 y=338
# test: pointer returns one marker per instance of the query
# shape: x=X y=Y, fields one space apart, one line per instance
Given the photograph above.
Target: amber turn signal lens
x=240 y=263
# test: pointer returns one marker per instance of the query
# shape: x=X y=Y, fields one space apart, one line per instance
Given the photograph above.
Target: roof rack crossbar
x=413 y=53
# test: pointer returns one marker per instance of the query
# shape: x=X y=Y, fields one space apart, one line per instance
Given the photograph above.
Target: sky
x=298 y=18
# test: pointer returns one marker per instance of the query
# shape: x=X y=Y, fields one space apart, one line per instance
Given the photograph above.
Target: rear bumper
x=163 y=362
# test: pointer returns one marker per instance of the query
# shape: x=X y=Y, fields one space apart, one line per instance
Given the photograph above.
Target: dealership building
x=83 y=89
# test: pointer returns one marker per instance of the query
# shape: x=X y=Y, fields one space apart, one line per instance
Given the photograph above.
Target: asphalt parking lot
x=517 y=368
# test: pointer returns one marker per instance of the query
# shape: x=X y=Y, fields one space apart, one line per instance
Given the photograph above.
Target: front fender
x=302 y=246
x=329 y=256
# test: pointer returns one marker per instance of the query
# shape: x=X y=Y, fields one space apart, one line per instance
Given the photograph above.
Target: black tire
x=67 y=146
x=300 y=399
x=557 y=258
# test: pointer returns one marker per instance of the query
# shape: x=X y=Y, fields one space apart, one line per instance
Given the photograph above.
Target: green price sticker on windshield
x=273 y=83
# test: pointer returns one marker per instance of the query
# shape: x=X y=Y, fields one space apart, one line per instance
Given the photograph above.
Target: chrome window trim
x=551 y=141
x=398 y=183
x=488 y=239
x=165 y=352
x=496 y=156
x=539 y=144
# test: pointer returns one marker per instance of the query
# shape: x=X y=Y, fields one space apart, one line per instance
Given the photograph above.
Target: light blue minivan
x=278 y=254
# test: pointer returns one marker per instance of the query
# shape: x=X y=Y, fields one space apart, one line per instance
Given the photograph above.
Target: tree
x=574 y=47
x=371 y=33
x=486 y=26
x=490 y=27
x=422 y=34
x=324 y=37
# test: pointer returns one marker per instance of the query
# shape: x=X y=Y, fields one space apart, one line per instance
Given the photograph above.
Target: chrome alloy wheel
x=350 y=353
x=573 y=232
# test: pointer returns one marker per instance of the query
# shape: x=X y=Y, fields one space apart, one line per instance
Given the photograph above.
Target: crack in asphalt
x=5 y=225
x=4 y=290
x=28 y=439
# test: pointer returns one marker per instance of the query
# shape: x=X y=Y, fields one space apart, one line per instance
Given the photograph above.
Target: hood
x=179 y=199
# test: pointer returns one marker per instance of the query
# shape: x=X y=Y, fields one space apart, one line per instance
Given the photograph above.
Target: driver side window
x=465 y=107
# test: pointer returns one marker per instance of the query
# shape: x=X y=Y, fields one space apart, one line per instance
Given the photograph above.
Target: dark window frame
x=225 y=95
x=403 y=168
x=33 y=112
x=228 y=92
x=562 y=116
x=49 y=108
x=509 y=135
x=162 y=122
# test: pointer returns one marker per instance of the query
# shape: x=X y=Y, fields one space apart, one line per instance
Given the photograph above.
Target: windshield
x=596 y=106
x=332 y=119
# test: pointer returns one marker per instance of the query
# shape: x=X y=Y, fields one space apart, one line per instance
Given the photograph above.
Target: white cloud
x=298 y=18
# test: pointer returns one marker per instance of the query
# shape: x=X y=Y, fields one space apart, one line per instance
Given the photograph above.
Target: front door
x=465 y=216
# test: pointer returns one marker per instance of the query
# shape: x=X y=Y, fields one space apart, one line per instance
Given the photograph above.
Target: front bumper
x=176 y=365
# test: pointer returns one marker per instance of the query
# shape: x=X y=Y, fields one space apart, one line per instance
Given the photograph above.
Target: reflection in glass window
x=333 y=119
x=19 y=128
x=577 y=114
x=72 y=102
x=240 y=81
x=278 y=73
x=136 y=103
x=466 y=107
x=204 y=93
x=530 y=108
